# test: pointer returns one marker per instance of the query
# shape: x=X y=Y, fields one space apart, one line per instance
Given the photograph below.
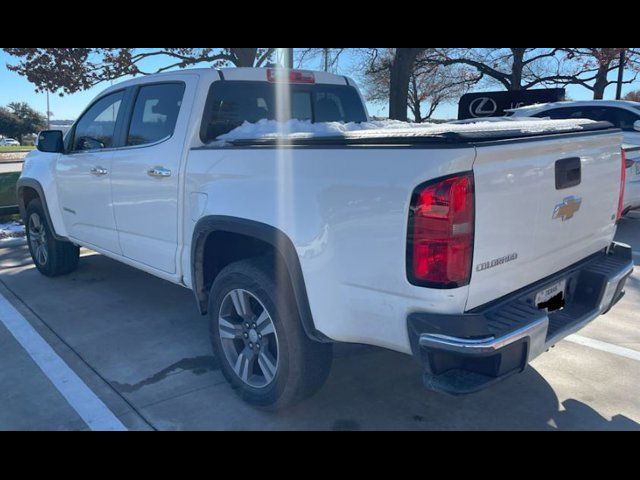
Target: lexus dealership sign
x=495 y=104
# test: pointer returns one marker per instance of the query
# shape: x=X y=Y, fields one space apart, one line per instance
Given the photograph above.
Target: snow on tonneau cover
x=385 y=129
x=527 y=228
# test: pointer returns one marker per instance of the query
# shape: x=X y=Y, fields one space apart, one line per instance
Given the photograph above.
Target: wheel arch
x=251 y=231
x=28 y=189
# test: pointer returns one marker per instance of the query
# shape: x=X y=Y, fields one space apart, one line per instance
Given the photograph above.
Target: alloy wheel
x=249 y=338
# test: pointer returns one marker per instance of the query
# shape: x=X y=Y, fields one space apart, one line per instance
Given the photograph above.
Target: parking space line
x=80 y=397
x=605 y=347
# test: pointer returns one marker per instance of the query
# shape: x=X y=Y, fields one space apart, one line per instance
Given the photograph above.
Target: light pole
x=48 y=113
x=623 y=60
x=289 y=57
x=284 y=57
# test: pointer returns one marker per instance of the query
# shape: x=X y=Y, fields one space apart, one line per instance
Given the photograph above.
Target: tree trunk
x=401 y=67
x=517 y=69
x=246 y=57
x=417 y=112
x=414 y=101
x=601 y=82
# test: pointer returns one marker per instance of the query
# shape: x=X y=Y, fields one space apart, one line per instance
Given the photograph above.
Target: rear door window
x=155 y=113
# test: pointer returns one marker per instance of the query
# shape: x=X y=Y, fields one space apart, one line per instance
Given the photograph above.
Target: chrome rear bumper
x=494 y=342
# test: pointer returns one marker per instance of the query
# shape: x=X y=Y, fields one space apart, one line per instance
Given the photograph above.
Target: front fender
x=38 y=174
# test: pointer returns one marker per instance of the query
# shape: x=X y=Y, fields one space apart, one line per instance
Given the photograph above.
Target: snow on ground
x=298 y=129
x=11 y=231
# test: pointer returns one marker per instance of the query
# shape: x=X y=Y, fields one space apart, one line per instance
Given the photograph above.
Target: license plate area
x=552 y=297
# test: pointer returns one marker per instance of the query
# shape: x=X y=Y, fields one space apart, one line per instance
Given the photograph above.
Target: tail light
x=441 y=230
x=623 y=179
x=281 y=75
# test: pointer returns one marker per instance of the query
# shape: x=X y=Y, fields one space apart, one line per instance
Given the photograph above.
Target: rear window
x=230 y=104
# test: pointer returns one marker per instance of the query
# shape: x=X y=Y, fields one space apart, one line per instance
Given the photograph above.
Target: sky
x=14 y=88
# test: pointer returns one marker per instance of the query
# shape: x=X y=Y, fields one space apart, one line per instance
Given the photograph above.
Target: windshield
x=232 y=103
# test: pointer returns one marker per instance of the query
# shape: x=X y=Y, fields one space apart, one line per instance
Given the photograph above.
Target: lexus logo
x=483 y=107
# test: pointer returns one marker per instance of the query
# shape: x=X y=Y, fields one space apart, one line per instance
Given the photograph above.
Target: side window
x=155 y=113
x=96 y=129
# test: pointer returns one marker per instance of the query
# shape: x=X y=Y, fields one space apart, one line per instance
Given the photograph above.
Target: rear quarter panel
x=346 y=212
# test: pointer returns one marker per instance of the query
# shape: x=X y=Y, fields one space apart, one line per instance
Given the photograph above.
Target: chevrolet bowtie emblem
x=567 y=209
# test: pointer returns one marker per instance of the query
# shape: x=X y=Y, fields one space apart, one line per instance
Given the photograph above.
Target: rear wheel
x=52 y=257
x=259 y=340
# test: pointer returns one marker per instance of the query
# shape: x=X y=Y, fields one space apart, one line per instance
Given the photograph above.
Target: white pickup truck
x=474 y=249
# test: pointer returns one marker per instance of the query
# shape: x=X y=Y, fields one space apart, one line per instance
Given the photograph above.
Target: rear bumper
x=466 y=353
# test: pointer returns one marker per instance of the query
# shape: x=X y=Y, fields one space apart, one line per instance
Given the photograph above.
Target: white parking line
x=79 y=396
x=605 y=347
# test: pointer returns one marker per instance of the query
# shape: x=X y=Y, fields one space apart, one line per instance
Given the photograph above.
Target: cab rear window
x=232 y=103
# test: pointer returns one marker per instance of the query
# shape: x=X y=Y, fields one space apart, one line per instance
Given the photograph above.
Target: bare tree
x=324 y=58
x=401 y=64
x=429 y=85
x=593 y=67
x=633 y=96
x=512 y=68
x=73 y=69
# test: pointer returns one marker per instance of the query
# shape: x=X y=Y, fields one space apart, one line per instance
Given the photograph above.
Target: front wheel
x=52 y=257
x=258 y=338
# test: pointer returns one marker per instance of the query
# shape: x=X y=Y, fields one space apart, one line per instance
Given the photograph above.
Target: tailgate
x=527 y=226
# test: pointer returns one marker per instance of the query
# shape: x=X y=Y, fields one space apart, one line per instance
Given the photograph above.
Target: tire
x=51 y=257
x=271 y=371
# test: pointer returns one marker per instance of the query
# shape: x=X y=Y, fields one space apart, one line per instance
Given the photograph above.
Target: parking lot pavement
x=142 y=348
x=27 y=398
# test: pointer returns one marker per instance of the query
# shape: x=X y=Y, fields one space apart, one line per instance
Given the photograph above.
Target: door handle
x=159 y=172
x=99 y=171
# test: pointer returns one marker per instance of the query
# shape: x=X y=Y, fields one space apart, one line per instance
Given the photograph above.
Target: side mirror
x=636 y=126
x=51 y=141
